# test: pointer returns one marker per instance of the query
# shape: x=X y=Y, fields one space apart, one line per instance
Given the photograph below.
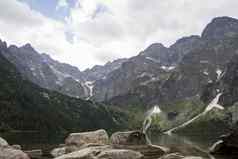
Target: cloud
x=96 y=31
x=62 y=4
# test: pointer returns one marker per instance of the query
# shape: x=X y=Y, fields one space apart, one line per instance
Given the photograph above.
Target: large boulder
x=128 y=138
x=119 y=154
x=136 y=141
x=10 y=153
x=99 y=137
x=102 y=152
x=3 y=142
x=172 y=156
x=149 y=151
x=58 y=151
x=217 y=147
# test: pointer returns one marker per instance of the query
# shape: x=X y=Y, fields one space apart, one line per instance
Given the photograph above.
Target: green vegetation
x=26 y=107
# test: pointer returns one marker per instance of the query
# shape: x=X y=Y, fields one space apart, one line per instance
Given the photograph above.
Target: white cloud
x=103 y=30
x=62 y=4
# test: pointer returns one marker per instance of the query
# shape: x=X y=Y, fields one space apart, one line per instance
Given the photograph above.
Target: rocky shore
x=98 y=145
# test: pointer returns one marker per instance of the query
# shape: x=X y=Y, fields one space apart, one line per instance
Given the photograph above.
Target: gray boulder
x=149 y=151
x=172 y=156
x=58 y=151
x=216 y=147
x=102 y=152
x=128 y=138
x=10 y=153
x=93 y=137
x=3 y=142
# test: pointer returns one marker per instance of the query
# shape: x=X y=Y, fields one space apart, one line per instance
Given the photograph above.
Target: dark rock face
x=221 y=27
x=99 y=72
x=154 y=64
x=226 y=84
x=42 y=70
x=200 y=61
x=228 y=145
x=128 y=138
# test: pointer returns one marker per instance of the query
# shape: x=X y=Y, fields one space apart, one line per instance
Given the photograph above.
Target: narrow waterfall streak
x=148 y=119
x=213 y=104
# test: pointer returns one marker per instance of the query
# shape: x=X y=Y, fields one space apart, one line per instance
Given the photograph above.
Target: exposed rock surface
x=228 y=144
x=102 y=153
x=172 y=156
x=9 y=152
x=3 y=142
x=96 y=144
x=93 y=137
x=128 y=138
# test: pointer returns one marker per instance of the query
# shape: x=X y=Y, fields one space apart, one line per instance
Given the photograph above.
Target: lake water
x=195 y=145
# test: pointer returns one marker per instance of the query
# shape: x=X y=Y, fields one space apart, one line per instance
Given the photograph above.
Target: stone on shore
x=102 y=152
x=79 y=139
x=10 y=153
x=3 y=142
x=128 y=138
x=149 y=151
x=172 y=156
x=58 y=151
x=136 y=141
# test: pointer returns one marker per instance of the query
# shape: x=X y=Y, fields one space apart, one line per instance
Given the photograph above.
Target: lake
x=195 y=145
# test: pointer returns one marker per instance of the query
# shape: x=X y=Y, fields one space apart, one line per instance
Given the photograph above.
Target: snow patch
x=153 y=59
x=205 y=73
x=168 y=68
x=90 y=86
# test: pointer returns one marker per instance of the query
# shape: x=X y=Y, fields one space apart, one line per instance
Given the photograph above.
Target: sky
x=89 y=32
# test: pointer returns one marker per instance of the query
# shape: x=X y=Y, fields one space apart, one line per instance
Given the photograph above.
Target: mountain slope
x=26 y=106
x=202 y=62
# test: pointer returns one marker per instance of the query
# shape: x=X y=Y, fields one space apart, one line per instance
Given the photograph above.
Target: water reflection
x=188 y=146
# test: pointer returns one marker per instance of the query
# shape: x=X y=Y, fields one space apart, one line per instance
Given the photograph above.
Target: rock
x=119 y=154
x=34 y=153
x=128 y=138
x=73 y=148
x=227 y=145
x=9 y=153
x=102 y=152
x=172 y=156
x=192 y=157
x=3 y=142
x=79 y=139
x=149 y=151
x=17 y=147
x=216 y=147
x=58 y=151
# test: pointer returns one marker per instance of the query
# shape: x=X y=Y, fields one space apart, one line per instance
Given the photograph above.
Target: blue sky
x=49 y=8
x=89 y=32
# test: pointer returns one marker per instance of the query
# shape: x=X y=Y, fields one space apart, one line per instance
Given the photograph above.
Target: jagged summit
x=220 y=28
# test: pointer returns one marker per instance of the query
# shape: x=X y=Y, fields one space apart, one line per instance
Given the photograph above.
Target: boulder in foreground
x=102 y=152
x=128 y=138
x=79 y=139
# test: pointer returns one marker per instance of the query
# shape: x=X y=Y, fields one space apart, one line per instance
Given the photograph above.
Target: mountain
x=101 y=71
x=48 y=73
x=153 y=64
x=200 y=61
x=24 y=106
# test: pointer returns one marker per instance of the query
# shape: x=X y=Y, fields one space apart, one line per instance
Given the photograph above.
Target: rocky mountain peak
x=28 y=46
x=221 y=27
x=3 y=44
x=156 y=47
